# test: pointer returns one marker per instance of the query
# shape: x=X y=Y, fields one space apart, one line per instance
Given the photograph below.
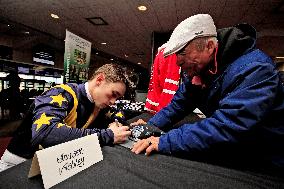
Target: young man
x=240 y=93
x=67 y=112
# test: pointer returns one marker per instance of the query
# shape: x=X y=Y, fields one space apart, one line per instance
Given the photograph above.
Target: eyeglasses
x=182 y=51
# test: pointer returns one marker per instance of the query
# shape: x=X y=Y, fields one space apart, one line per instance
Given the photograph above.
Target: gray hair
x=201 y=42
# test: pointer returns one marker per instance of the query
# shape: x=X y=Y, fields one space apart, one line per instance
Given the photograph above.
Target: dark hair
x=114 y=73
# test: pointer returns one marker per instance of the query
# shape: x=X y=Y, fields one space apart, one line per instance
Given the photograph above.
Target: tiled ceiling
x=129 y=30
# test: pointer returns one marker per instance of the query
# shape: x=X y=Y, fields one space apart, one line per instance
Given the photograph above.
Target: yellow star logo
x=119 y=114
x=109 y=114
x=58 y=99
x=43 y=120
x=61 y=125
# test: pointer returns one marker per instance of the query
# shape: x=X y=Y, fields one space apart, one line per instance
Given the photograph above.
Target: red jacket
x=164 y=82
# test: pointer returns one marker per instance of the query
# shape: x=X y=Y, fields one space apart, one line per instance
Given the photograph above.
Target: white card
x=62 y=161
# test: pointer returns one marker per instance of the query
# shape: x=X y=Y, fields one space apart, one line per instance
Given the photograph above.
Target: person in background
x=11 y=98
x=69 y=111
x=164 y=81
x=239 y=90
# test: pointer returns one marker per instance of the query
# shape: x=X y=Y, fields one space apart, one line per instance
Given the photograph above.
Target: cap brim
x=171 y=50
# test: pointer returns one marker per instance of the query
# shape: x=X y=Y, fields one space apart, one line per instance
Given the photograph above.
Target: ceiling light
x=139 y=63
x=26 y=32
x=279 y=57
x=111 y=59
x=54 y=16
x=103 y=43
x=8 y=25
x=97 y=53
x=142 y=8
x=126 y=56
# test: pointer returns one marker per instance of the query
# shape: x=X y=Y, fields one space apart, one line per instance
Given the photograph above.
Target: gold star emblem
x=119 y=114
x=43 y=120
x=61 y=125
x=109 y=114
x=58 y=99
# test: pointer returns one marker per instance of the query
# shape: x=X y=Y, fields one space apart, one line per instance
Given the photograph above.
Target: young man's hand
x=149 y=144
x=115 y=124
x=121 y=133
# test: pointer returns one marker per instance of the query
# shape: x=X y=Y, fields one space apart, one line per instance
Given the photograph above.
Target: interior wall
x=25 y=54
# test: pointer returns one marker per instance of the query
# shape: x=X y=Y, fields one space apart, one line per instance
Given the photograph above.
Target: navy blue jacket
x=243 y=102
x=50 y=126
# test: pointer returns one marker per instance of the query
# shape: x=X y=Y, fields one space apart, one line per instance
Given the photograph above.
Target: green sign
x=76 y=58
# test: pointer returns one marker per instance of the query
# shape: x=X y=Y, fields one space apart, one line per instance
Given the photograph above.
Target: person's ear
x=100 y=78
x=210 y=46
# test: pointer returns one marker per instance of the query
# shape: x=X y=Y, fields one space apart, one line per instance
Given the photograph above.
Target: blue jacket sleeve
x=247 y=100
x=181 y=104
x=48 y=126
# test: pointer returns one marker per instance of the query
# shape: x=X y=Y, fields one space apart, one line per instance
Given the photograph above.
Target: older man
x=238 y=89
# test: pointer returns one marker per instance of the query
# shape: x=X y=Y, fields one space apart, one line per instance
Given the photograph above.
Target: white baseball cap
x=200 y=25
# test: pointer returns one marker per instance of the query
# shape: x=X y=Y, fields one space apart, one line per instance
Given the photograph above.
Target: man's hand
x=150 y=144
x=139 y=122
x=115 y=124
x=121 y=133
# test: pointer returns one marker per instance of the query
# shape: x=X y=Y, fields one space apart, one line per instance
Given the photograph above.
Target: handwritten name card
x=62 y=161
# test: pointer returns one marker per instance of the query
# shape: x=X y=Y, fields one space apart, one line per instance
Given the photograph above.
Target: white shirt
x=88 y=92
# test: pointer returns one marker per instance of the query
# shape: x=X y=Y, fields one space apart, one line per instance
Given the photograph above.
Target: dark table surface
x=123 y=169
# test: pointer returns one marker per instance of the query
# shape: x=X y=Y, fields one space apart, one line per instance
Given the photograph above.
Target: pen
x=116 y=122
